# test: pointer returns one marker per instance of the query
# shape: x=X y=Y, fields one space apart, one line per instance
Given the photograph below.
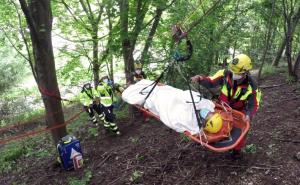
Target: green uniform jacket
x=106 y=94
x=87 y=96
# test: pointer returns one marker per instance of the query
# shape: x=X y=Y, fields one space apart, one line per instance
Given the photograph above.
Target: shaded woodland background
x=49 y=49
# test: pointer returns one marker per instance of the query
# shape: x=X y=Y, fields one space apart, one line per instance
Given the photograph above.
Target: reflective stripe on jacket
x=243 y=97
x=106 y=94
x=86 y=97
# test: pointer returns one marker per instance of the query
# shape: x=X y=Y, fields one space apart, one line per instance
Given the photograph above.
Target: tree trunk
x=267 y=42
x=296 y=66
x=144 y=55
x=288 y=30
x=294 y=23
x=279 y=53
x=126 y=44
x=96 y=64
x=39 y=19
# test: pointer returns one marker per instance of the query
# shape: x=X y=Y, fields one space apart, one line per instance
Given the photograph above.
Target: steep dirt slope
x=150 y=153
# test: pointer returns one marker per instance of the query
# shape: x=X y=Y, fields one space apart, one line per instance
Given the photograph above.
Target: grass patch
x=122 y=112
x=85 y=180
x=38 y=147
x=136 y=176
x=250 y=149
x=269 y=70
x=184 y=137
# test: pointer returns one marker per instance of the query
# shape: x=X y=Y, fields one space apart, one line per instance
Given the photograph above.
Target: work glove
x=247 y=118
x=197 y=78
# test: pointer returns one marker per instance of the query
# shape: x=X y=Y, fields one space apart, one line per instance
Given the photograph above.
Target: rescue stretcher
x=233 y=130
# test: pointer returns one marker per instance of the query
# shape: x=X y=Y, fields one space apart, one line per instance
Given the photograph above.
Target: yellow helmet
x=213 y=121
x=138 y=66
x=240 y=64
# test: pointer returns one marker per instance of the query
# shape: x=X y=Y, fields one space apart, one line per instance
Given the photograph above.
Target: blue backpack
x=70 y=153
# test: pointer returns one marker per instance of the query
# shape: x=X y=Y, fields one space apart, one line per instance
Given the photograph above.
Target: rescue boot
x=94 y=120
x=106 y=126
x=114 y=128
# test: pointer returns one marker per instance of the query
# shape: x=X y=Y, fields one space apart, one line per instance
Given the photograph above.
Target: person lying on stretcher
x=174 y=106
x=212 y=120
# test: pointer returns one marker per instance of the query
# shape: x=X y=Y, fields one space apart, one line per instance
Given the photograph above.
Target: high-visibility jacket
x=105 y=93
x=243 y=97
x=139 y=77
x=87 y=96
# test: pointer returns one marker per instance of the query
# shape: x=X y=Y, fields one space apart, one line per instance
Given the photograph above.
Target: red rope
x=52 y=94
x=32 y=133
x=45 y=92
x=2 y=129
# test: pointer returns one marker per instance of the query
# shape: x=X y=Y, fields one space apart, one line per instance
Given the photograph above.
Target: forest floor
x=150 y=153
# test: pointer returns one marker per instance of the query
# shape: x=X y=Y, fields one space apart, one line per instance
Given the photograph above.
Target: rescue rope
x=199 y=120
x=52 y=94
x=195 y=23
x=166 y=70
x=46 y=129
x=191 y=15
x=2 y=129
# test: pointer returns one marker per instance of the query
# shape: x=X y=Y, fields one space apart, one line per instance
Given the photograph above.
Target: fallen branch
x=271 y=86
x=253 y=167
x=288 y=140
x=104 y=160
x=121 y=176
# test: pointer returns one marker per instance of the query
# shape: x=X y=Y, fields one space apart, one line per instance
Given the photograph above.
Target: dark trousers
x=90 y=110
x=109 y=116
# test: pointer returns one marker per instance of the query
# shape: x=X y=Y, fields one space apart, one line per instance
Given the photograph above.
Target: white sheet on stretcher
x=173 y=106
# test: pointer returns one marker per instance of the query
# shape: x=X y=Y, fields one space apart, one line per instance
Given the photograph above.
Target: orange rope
x=32 y=133
x=2 y=129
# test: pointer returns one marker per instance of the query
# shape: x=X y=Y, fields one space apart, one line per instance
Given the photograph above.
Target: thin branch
x=29 y=59
x=28 y=17
x=79 y=20
x=13 y=45
x=288 y=140
x=79 y=41
x=99 y=15
x=89 y=14
x=253 y=167
x=90 y=9
x=195 y=23
x=271 y=86
x=84 y=49
x=151 y=34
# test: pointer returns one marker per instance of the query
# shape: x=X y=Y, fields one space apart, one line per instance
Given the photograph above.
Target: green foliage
x=85 y=180
x=290 y=79
x=136 y=176
x=12 y=152
x=269 y=70
x=185 y=138
x=122 y=112
x=93 y=132
x=139 y=157
x=38 y=148
x=250 y=149
x=73 y=72
x=12 y=69
x=19 y=105
x=133 y=140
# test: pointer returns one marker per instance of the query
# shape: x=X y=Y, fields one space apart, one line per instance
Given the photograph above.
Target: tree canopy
x=74 y=42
